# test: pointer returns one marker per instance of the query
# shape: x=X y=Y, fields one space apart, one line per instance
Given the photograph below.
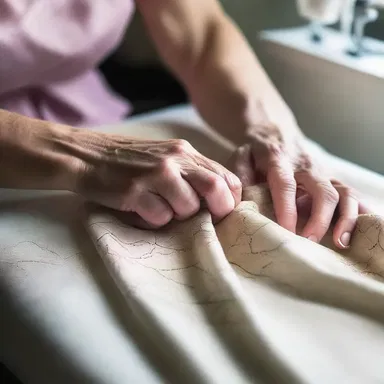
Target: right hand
x=158 y=180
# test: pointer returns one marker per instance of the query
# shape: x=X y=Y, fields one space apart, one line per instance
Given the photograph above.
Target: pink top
x=48 y=52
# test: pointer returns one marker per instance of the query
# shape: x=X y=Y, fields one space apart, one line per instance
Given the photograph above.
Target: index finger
x=324 y=202
x=213 y=189
x=233 y=182
x=282 y=184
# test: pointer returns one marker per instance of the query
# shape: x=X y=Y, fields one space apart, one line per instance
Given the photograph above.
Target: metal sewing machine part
x=320 y=13
x=363 y=12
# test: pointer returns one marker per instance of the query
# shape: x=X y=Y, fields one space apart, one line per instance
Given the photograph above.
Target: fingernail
x=313 y=238
x=345 y=240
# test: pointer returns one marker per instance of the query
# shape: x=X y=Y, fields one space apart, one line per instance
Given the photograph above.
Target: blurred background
x=136 y=72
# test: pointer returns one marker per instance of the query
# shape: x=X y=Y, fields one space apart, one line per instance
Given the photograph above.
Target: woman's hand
x=295 y=179
x=230 y=89
x=159 y=180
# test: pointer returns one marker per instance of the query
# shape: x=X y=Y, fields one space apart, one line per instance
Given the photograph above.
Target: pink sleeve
x=42 y=41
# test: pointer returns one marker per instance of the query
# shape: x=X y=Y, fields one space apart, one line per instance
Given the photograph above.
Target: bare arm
x=35 y=154
x=210 y=56
x=234 y=95
x=156 y=180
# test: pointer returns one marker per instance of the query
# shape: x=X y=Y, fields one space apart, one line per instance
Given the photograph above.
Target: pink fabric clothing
x=48 y=53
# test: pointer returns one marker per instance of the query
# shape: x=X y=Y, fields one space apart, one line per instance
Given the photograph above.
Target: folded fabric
x=219 y=300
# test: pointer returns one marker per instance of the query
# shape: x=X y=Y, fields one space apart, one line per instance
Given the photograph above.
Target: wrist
x=55 y=164
x=266 y=116
x=84 y=155
x=64 y=153
x=33 y=154
x=93 y=154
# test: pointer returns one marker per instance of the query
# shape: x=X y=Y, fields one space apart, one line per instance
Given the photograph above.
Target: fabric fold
x=196 y=286
x=245 y=300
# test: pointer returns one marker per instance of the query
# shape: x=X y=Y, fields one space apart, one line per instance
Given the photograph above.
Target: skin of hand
x=296 y=180
x=234 y=95
x=158 y=180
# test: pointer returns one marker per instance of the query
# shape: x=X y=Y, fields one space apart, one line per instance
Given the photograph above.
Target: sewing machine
x=333 y=79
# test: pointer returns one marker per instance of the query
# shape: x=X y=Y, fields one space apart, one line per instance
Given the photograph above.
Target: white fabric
x=247 y=302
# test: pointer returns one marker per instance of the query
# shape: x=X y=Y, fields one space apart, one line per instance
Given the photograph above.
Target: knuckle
x=181 y=146
x=287 y=185
x=283 y=180
x=303 y=175
x=280 y=167
x=241 y=150
x=214 y=184
x=328 y=192
x=305 y=162
x=348 y=192
x=275 y=165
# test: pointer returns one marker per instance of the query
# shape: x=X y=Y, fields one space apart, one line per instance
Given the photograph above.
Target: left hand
x=294 y=176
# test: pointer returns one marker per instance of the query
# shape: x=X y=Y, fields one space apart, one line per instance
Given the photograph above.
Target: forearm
x=211 y=57
x=231 y=89
x=34 y=154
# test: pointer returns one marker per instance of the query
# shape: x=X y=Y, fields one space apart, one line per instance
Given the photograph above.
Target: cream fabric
x=244 y=302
